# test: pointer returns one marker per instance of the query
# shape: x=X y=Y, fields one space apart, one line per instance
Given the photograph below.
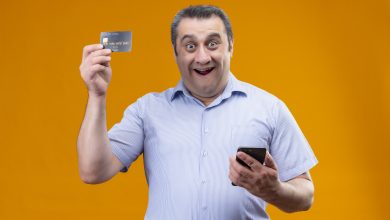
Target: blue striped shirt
x=186 y=148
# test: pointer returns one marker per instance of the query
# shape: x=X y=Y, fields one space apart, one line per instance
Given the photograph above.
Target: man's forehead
x=200 y=26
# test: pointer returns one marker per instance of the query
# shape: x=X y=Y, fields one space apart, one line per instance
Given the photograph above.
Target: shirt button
x=203 y=181
x=204 y=154
x=206 y=130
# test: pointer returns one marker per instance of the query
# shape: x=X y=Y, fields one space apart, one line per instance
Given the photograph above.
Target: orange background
x=328 y=60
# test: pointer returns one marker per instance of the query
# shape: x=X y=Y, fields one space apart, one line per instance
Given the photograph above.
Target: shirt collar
x=233 y=86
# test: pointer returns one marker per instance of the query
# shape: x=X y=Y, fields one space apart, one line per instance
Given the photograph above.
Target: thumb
x=269 y=161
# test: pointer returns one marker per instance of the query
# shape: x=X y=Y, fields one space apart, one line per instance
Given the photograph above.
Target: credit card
x=118 y=41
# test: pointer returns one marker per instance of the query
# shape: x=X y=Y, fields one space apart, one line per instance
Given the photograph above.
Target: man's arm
x=294 y=195
x=97 y=163
x=263 y=181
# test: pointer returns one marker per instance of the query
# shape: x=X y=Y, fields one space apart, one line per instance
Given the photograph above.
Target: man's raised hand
x=95 y=69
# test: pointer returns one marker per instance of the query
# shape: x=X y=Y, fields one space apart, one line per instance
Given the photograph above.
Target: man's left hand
x=261 y=180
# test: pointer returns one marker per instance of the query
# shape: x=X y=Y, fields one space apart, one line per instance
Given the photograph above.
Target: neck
x=207 y=100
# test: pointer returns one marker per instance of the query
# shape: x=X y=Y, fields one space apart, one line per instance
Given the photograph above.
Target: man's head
x=199 y=12
x=202 y=39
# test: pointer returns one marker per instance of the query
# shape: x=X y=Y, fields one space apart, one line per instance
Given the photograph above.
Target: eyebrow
x=217 y=35
x=187 y=36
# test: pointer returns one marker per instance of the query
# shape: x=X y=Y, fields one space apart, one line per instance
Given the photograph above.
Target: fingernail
x=100 y=46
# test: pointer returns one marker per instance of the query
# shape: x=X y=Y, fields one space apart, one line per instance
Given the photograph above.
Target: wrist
x=96 y=100
x=275 y=193
x=95 y=96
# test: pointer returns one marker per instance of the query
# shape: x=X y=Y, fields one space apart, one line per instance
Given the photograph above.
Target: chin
x=206 y=92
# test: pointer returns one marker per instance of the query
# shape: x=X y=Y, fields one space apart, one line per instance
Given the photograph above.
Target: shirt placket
x=204 y=179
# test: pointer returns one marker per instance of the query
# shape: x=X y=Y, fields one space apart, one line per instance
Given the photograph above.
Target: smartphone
x=255 y=152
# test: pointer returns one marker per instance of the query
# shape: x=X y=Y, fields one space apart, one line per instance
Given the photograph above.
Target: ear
x=231 y=48
x=174 y=54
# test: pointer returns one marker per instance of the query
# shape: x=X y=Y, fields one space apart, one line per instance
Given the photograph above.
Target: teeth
x=202 y=70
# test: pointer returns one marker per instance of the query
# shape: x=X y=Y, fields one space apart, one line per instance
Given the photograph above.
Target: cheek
x=184 y=62
x=226 y=61
x=221 y=58
x=182 y=65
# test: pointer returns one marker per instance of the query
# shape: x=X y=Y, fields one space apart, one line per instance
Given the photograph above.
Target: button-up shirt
x=186 y=148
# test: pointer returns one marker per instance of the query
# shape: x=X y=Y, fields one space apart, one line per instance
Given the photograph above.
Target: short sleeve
x=127 y=136
x=289 y=147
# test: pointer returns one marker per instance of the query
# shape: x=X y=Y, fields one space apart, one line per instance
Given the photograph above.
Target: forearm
x=294 y=195
x=93 y=146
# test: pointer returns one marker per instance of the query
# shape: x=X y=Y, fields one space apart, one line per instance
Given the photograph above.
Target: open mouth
x=204 y=71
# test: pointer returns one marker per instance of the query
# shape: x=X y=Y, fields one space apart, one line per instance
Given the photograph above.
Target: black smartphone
x=255 y=152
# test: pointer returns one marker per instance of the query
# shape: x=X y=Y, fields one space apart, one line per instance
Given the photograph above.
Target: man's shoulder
x=153 y=97
x=151 y=102
x=256 y=93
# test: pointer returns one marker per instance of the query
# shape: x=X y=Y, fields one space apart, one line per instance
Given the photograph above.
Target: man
x=189 y=134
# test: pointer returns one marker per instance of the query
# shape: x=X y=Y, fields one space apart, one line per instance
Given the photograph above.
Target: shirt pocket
x=251 y=135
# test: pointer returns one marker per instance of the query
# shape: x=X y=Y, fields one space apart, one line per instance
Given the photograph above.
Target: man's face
x=203 y=55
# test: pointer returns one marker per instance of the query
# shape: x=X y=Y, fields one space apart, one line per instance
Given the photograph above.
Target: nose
x=202 y=56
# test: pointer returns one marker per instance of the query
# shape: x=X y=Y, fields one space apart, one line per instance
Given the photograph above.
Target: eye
x=190 y=46
x=213 y=44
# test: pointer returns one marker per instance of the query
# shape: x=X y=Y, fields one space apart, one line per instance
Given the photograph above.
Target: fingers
x=239 y=174
x=90 y=73
x=95 y=68
x=100 y=60
x=95 y=56
x=101 y=52
x=95 y=60
x=99 y=57
x=269 y=161
x=91 y=48
x=233 y=175
x=250 y=161
x=98 y=68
